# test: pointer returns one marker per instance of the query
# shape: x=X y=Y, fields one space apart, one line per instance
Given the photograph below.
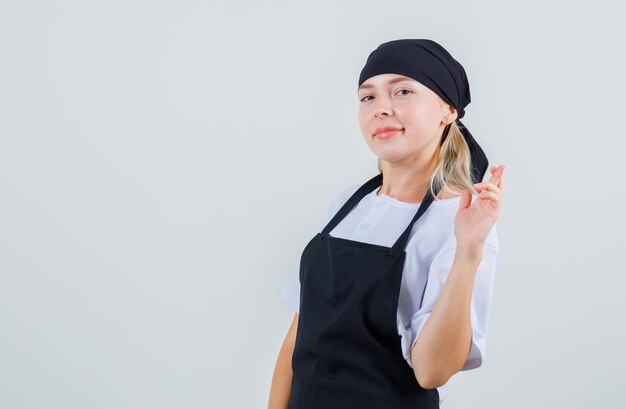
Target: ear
x=453 y=114
x=450 y=114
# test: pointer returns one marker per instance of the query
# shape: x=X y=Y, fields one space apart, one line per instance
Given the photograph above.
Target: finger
x=486 y=195
x=484 y=185
x=496 y=173
x=466 y=199
x=501 y=178
x=488 y=186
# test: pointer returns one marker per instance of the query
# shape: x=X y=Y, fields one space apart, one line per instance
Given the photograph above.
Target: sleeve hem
x=290 y=299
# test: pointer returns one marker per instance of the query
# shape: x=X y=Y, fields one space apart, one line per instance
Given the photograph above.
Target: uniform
x=430 y=248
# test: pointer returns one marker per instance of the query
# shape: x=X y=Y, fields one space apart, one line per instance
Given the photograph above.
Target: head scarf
x=430 y=64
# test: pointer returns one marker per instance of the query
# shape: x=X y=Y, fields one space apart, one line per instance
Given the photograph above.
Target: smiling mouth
x=387 y=134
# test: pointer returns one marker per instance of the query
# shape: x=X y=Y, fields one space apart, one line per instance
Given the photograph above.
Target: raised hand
x=474 y=221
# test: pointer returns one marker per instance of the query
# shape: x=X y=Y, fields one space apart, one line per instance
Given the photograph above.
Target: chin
x=391 y=158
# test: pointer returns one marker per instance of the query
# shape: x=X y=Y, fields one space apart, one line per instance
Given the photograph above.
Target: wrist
x=469 y=253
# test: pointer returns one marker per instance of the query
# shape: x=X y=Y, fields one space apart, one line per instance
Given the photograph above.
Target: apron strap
x=356 y=197
x=400 y=245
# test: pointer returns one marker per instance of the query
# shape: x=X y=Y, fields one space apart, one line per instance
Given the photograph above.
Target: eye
x=369 y=96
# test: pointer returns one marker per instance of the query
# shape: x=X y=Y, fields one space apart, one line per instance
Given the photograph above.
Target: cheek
x=363 y=122
x=421 y=117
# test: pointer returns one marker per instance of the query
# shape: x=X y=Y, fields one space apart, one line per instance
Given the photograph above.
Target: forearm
x=444 y=342
x=281 y=381
x=283 y=373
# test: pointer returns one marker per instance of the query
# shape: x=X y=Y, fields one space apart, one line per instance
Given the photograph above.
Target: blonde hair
x=453 y=168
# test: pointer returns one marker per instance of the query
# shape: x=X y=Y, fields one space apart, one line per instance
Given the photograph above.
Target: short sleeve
x=290 y=291
x=481 y=297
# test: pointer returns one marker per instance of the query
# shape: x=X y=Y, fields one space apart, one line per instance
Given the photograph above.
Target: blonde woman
x=392 y=295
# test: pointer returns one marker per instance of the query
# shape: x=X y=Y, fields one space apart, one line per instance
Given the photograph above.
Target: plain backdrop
x=163 y=164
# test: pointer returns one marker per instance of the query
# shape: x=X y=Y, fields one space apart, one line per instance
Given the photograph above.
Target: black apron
x=348 y=352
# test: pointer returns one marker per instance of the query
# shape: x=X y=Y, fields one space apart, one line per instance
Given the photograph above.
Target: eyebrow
x=392 y=81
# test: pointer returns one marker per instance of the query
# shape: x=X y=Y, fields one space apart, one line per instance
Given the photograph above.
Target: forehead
x=382 y=79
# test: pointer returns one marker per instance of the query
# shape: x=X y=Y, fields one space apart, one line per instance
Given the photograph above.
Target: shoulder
x=341 y=197
x=348 y=191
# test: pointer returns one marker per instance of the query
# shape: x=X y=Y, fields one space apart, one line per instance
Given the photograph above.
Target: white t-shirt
x=430 y=253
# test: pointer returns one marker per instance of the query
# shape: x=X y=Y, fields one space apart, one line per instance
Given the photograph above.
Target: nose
x=382 y=107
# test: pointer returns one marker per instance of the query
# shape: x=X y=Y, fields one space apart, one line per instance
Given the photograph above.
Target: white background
x=163 y=164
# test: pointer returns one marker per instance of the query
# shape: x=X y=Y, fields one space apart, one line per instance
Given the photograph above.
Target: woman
x=392 y=296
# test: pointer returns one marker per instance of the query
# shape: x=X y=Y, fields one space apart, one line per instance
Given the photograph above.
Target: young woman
x=392 y=296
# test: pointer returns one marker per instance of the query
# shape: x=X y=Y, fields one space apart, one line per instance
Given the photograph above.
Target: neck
x=407 y=181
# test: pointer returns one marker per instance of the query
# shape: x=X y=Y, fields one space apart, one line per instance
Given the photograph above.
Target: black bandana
x=430 y=64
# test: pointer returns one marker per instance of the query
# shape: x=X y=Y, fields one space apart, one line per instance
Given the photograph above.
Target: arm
x=281 y=381
x=444 y=342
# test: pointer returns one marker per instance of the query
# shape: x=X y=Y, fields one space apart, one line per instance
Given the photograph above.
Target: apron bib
x=348 y=352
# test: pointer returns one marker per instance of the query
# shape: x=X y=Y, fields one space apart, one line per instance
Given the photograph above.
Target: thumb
x=466 y=199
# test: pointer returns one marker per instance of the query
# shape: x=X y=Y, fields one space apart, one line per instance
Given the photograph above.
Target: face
x=420 y=115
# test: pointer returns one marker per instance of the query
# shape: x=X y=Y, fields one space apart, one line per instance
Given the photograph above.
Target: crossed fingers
x=493 y=188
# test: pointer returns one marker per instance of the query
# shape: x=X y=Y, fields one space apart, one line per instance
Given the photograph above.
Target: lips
x=386 y=132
